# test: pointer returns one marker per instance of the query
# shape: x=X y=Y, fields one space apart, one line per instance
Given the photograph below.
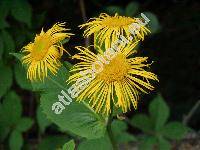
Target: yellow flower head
x=123 y=77
x=108 y=28
x=44 y=53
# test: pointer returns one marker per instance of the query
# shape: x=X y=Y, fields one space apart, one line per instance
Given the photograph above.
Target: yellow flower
x=123 y=77
x=109 y=28
x=44 y=53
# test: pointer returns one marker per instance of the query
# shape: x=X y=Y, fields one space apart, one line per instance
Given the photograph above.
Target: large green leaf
x=142 y=122
x=53 y=83
x=78 y=118
x=5 y=79
x=174 y=130
x=159 y=111
x=15 y=140
x=97 y=144
x=21 y=11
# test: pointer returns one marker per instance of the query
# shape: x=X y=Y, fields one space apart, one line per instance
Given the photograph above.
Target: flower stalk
x=109 y=130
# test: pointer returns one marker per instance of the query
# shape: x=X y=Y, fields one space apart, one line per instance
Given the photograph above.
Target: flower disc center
x=117 y=21
x=116 y=69
x=41 y=47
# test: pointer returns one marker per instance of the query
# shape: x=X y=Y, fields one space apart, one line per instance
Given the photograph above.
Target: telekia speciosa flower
x=44 y=53
x=120 y=82
x=107 y=29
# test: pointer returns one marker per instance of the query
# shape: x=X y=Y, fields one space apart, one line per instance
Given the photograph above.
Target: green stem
x=109 y=130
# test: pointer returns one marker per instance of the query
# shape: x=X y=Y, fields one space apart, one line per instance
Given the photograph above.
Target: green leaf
x=5 y=79
x=11 y=109
x=21 y=11
x=174 y=130
x=69 y=145
x=131 y=9
x=148 y=143
x=52 y=142
x=15 y=140
x=43 y=122
x=153 y=25
x=24 y=124
x=20 y=76
x=97 y=144
x=54 y=83
x=142 y=122
x=163 y=144
x=77 y=117
x=159 y=112
x=9 y=44
x=125 y=137
x=114 y=9
x=17 y=55
x=119 y=126
x=119 y=130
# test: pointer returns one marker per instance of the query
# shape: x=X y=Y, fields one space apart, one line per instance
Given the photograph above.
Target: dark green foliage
x=158 y=131
x=12 y=122
x=120 y=132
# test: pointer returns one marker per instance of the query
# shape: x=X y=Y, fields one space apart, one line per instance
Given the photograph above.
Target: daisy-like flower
x=107 y=29
x=44 y=53
x=123 y=77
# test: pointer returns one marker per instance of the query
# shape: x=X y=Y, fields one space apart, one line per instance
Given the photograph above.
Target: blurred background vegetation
x=173 y=46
